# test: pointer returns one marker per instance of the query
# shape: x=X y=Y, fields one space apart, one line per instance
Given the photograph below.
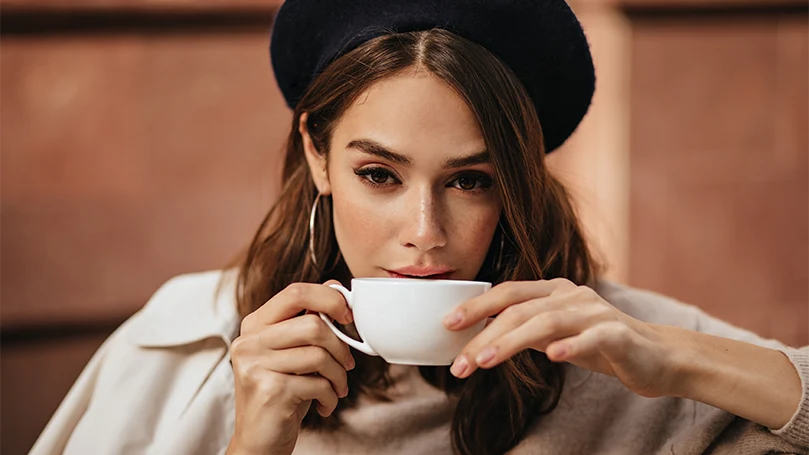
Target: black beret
x=540 y=40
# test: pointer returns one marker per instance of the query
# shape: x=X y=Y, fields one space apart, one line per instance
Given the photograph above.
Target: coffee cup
x=401 y=319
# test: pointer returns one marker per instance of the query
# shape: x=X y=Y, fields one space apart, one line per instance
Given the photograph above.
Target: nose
x=423 y=226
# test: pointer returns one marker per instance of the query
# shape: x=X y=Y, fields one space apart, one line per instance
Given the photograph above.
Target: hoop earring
x=312 y=215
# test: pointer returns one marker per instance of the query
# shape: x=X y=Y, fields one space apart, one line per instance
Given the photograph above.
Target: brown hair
x=542 y=237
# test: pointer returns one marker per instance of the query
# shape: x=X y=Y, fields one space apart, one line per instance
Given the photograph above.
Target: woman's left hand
x=569 y=323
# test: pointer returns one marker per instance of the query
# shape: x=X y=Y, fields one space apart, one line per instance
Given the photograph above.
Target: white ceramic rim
x=411 y=281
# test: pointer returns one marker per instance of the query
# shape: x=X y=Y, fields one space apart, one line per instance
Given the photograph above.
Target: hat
x=540 y=40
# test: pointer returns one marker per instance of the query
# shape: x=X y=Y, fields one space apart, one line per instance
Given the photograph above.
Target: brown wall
x=134 y=147
x=720 y=164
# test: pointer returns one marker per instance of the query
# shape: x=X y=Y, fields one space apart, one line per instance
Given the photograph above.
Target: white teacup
x=401 y=320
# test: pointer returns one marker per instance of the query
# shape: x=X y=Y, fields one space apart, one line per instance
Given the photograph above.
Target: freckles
x=361 y=222
x=475 y=228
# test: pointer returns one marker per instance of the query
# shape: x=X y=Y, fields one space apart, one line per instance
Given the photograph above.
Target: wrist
x=686 y=362
x=753 y=382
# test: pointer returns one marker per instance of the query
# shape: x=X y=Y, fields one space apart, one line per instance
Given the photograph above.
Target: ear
x=315 y=160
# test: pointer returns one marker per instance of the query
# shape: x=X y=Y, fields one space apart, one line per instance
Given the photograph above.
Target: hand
x=282 y=362
x=569 y=323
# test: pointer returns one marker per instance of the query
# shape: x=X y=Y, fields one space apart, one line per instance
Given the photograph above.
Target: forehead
x=415 y=113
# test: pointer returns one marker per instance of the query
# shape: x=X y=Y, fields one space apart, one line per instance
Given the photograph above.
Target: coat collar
x=187 y=309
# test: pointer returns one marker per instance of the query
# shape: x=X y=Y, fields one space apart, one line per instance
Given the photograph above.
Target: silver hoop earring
x=312 y=230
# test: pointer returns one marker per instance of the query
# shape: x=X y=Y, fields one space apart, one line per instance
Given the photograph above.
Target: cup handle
x=360 y=346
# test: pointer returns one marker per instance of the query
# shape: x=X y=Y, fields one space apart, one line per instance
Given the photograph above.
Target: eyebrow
x=372 y=147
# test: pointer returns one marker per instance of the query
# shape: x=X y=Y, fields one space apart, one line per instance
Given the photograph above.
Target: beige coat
x=162 y=384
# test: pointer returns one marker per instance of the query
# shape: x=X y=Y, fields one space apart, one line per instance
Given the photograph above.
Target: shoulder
x=169 y=346
x=178 y=290
x=188 y=308
x=156 y=364
x=649 y=306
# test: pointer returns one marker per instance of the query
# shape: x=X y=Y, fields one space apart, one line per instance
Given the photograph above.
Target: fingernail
x=351 y=363
x=453 y=319
x=349 y=317
x=459 y=367
x=345 y=393
x=486 y=356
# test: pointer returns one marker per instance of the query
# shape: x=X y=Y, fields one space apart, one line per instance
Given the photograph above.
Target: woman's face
x=412 y=186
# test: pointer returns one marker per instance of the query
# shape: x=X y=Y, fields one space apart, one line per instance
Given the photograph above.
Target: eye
x=376 y=176
x=379 y=176
x=472 y=182
x=467 y=183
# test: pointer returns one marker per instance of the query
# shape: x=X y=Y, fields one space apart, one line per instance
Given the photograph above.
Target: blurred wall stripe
x=137 y=143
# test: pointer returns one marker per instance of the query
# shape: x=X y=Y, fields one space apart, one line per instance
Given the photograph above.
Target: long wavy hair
x=541 y=236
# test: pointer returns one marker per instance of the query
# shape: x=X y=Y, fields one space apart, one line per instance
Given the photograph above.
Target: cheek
x=360 y=226
x=473 y=231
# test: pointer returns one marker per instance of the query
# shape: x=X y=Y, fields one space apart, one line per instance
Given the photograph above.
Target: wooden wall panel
x=127 y=160
x=128 y=156
x=720 y=166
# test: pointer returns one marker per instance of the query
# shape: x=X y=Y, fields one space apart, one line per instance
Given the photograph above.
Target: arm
x=654 y=345
x=754 y=382
x=755 y=378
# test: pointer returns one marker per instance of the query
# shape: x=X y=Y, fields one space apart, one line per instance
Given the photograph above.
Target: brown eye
x=467 y=183
x=379 y=176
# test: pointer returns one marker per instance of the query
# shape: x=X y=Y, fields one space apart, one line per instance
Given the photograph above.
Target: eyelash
x=482 y=181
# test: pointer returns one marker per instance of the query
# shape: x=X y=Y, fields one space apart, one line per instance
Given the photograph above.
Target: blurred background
x=141 y=139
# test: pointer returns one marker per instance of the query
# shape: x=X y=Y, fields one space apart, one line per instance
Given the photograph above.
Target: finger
x=306 y=330
x=508 y=320
x=308 y=360
x=296 y=298
x=511 y=318
x=499 y=298
x=315 y=388
x=607 y=337
x=535 y=332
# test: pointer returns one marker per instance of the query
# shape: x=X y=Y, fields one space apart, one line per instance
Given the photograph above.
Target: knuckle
x=251 y=370
x=584 y=292
x=615 y=332
x=337 y=303
x=513 y=313
x=622 y=331
x=248 y=372
x=312 y=328
x=509 y=289
x=325 y=386
x=272 y=386
x=552 y=322
x=561 y=282
x=238 y=347
x=296 y=291
x=319 y=356
x=248 y=323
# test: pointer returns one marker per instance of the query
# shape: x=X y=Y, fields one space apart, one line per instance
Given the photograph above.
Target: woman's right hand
x=282 y=362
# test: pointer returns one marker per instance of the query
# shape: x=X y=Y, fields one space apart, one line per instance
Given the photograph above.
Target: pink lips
x=432 y=273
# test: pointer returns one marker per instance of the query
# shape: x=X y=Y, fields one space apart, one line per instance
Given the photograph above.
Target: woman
x=417 y=151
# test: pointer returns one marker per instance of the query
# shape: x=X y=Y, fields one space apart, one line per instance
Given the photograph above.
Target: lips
x=428 y=273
